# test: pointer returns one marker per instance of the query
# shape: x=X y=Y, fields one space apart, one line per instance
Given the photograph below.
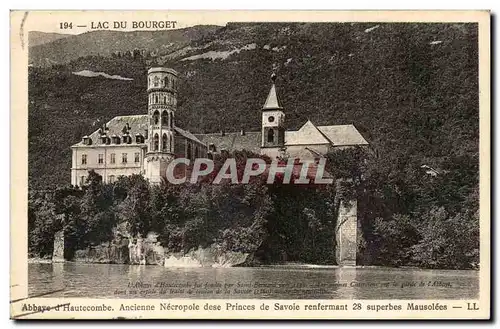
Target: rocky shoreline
x=124 y=249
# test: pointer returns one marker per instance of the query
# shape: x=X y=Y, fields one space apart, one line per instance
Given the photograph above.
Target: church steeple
x=272 y=101
x=273 y=123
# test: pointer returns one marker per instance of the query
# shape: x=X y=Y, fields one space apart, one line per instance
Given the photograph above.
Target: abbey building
x=145 y=144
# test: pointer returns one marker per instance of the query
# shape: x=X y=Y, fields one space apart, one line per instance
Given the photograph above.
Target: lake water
x=276 y=282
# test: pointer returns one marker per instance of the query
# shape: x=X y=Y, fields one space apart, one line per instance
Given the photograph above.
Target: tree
x=135 y=208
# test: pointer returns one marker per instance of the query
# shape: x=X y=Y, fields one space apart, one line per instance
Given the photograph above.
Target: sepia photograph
x=243 y=161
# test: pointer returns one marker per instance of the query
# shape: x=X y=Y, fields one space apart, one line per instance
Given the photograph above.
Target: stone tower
x=162 y=103
x=273 y=124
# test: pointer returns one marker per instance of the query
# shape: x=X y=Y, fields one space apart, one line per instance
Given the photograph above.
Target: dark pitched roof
x=309 y=134
x=233 y=141
x=138 y=124
x=187 y=134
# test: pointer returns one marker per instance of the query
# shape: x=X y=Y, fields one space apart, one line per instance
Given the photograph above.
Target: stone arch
x=164 y=118
x=156 y=117
x=164 y=142
x=156 y=141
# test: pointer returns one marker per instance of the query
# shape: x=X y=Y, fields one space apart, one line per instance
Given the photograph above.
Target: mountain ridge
x=106 y=42
x=36 y=38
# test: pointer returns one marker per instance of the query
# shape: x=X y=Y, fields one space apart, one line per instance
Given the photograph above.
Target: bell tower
x=273 y=124
x=162 y=104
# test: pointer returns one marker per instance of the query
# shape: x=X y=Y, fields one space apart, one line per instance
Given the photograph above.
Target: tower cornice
x=163 y=69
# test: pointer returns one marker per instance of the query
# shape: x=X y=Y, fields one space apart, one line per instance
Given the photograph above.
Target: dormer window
x=116 y=139
x=139 y=139
x=105 y=140
x=86 y=140
x=212 y=148
x=127 y=139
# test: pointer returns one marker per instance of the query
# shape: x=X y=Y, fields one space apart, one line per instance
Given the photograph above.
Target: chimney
x=242 y=132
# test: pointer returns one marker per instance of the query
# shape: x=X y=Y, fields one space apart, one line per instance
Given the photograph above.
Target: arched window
x=164 y=142
x=188 y=152
x=270 y=136
x=166 y=82
x=156 y=142
x=164 y=99
x=171 y=140
x=171 y=119
x=164 y=118
x=156 y=117
x=196 y=152
x=156 y=99
x=156 y=81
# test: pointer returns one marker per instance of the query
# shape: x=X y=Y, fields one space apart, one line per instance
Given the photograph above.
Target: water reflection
x=133 y=281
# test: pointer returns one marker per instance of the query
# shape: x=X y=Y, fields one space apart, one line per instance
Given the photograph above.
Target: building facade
x=138 y=144
x=145 y=144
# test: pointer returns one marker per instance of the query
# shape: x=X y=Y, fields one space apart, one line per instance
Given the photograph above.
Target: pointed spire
x=272 y=101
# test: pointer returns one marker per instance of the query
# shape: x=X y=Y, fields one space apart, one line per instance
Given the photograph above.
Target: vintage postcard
x=250 y=165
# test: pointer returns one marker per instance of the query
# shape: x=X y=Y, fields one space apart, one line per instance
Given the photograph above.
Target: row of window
x=162 y=99
x=112 y=158
x=167 y=118
x=139 y=139
x=166 y=143
x=157 y=82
